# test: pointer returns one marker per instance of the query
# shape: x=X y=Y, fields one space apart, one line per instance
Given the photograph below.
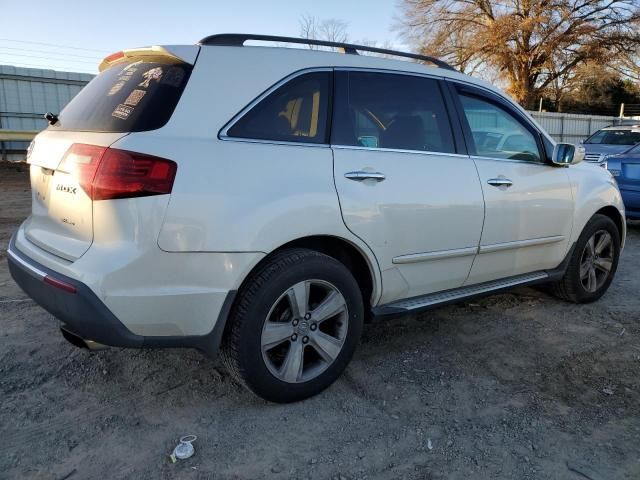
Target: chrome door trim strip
x=437 y=255
x=532 y=242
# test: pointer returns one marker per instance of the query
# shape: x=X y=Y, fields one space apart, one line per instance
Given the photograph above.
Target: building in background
x=26 y=94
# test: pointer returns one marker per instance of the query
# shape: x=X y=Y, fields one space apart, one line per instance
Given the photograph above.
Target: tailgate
x=61 y=220
x=136 y=91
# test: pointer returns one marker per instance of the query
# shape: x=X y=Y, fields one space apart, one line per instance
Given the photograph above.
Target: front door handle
x=362 y=175
x=500 y=182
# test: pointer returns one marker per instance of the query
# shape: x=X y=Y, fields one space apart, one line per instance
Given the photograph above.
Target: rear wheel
x=295 y=326
x=593 y=262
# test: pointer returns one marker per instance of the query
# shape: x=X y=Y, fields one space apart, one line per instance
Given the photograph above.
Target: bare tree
x=537 y=44
x=330 y=29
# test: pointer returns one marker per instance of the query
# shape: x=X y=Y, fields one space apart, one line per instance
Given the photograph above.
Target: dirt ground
x=518 y=385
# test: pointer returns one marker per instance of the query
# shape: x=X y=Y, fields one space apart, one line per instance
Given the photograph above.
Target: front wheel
x=295 y=326
x=593 y=262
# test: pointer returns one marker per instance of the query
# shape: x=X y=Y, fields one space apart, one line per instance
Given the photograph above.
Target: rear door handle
x=500 y=182
x=362 y=175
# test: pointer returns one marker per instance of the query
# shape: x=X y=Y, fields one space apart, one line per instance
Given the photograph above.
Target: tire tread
x=567 y=288
x=252 y=286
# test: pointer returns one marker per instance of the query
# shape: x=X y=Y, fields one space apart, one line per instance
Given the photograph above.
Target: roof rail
x=238 y=39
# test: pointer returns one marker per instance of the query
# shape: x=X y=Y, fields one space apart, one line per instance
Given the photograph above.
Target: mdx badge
x=66 y=188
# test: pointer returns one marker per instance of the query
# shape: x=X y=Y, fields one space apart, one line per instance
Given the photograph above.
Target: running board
x=424 y=302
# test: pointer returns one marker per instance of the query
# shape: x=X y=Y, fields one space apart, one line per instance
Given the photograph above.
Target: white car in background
x=271 y=200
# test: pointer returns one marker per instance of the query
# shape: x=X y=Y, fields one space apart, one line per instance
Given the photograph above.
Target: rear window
x=127 y=97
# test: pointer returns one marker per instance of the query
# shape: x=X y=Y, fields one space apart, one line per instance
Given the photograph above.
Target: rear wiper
x=52 y=118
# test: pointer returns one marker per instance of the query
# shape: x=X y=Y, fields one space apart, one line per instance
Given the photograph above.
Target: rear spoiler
x=177 y=53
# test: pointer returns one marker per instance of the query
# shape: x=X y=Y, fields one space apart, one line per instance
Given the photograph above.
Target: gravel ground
x=518 y=385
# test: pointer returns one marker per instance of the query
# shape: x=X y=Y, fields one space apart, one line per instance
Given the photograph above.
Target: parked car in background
x=625 y=167
x=611 y=140
x=270 y=200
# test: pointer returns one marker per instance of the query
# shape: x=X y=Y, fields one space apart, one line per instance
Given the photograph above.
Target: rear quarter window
x=295 y=112
x=127 y=97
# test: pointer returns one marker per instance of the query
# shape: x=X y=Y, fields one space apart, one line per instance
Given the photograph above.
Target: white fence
x=570 y=127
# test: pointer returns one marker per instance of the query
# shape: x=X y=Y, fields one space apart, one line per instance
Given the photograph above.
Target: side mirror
x=567 y=154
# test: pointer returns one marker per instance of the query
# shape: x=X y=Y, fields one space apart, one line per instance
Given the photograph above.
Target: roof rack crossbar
x=238 y=40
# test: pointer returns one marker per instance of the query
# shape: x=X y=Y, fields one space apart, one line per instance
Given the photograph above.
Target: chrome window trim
x=512 y=160
x=273 y=142
x=223 y=134
x=397 y=150
x=385 y=70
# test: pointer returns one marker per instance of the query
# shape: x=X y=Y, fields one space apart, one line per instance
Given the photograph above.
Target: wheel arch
x=350 y=255
x=363 y=267
x=614 y=214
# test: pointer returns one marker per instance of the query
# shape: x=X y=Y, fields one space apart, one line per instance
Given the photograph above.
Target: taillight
x=110 y=173
x=124 y=174
x=81 y=161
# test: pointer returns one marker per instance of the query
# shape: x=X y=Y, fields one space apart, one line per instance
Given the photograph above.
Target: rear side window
x=381 y=110
x=295 y=112
x=127 y=97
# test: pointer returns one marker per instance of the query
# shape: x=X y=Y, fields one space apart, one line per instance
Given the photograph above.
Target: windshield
x=127 y=97
x=615 y=137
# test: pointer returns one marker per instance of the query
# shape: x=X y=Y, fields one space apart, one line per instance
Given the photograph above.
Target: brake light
x=109 y=173
x=124 y=174
x=113 y=57
x=81 y=161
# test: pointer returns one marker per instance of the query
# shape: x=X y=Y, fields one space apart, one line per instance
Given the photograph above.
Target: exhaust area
x=80 y=342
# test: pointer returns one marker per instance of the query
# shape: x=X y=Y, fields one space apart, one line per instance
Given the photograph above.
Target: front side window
x=295 y=112
x=381 y=110
x=497 y=133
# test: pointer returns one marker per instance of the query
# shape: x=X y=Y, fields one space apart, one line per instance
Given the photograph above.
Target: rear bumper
x=86 y=316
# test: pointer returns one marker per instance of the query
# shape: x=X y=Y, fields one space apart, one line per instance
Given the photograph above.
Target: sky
x=75 y=35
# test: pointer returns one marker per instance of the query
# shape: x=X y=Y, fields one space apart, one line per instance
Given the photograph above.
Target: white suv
x=269 y=201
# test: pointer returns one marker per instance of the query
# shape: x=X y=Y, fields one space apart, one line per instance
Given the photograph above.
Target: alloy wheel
x=596 y=261
x=304 y=331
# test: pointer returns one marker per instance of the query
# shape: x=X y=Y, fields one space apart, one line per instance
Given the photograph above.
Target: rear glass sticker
x=126 y=76
x=130 y=67
x=122 y=111
x=173 y=77
x=134 y=97
x=116 y=88
x=149 y=75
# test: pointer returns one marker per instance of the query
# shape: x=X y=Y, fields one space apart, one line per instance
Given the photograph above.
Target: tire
x=575 y=286
x=271 y=347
